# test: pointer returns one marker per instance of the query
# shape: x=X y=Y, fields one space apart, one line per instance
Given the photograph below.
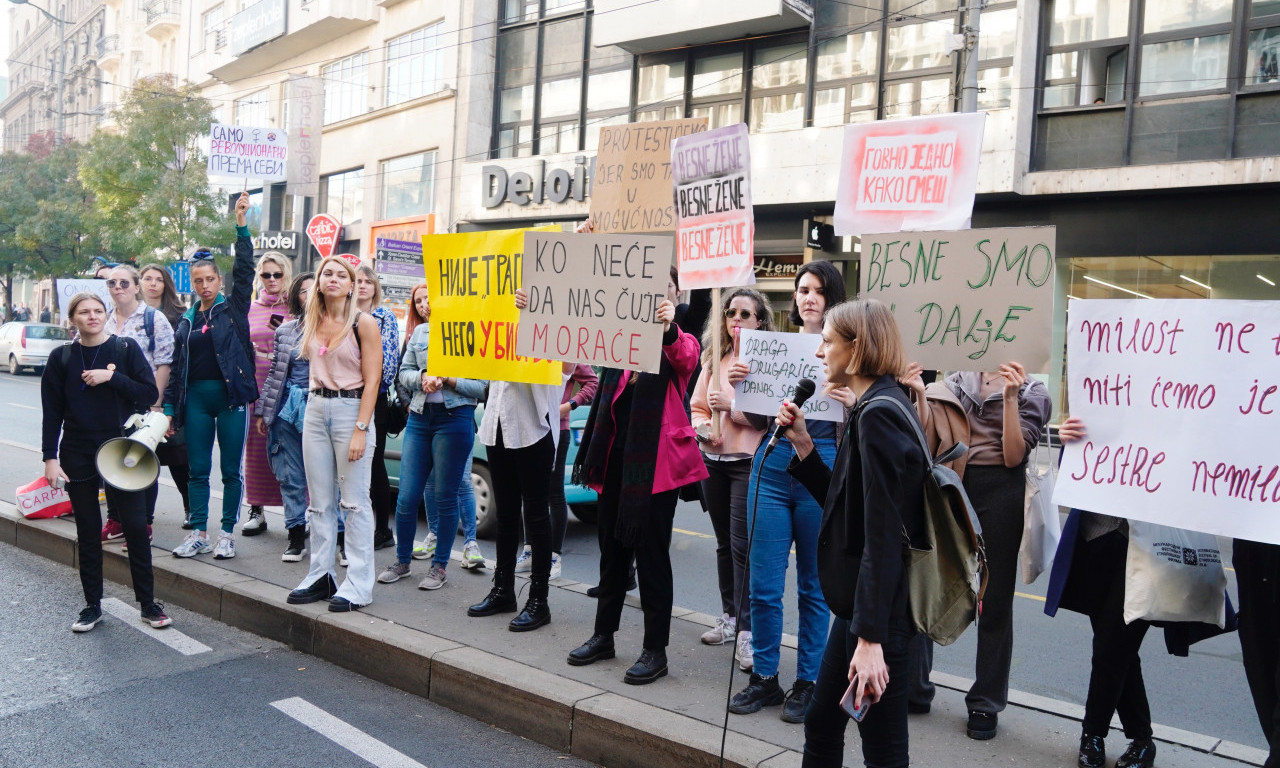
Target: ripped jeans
x=326 y=436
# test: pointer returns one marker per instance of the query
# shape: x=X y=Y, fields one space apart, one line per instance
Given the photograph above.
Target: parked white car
x=27 y=345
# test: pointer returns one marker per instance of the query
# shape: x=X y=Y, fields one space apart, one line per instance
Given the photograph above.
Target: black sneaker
x=153 y=614
x=256 y=524
x=343 y=605
x=760 y=692
x=383 y=539
x=323 y=589
x=797 y=703
x=297 y=544
x=89 y=618
x=982 y=725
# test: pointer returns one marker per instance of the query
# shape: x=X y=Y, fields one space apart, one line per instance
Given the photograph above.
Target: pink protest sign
x=914 y=174
x=715 y=223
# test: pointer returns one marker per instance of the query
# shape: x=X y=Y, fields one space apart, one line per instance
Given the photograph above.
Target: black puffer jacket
x=288 y=337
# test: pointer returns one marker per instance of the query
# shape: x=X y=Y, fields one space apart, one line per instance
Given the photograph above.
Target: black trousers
x=725 y=492
x=653 y=564
x=558 y=507
x=379 y=481
x=131 y=508
x=1115 y=677
x=1258 y=578
x=520 y=481
x=883 y=731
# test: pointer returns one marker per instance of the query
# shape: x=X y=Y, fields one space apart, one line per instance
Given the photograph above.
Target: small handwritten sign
x=967 y=300
x=715 y=229
x=1181 y=400
x=631 y=189
x=776 y=362
x=70 y=286
x=594 y=298
x=248 y=153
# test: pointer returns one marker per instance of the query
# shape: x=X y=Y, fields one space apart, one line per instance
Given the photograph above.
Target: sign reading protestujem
x=776 y=362
x=911 y=174
x=472 y=279
x=631 y=189
x=248 y=153
x=967 y=300
x=1181 y=400
x=715 y=232
x=594 y=298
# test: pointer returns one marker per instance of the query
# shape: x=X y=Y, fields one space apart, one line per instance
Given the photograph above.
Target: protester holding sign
x=728 y=457
x=637 y=451
x=779 y=514
x=268 y=311
x=212 y=385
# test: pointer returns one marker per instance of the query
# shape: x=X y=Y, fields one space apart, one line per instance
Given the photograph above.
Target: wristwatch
x=573 y=404
x=362 y=426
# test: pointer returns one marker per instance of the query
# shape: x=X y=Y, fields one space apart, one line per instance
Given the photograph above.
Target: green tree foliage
x=149 y=181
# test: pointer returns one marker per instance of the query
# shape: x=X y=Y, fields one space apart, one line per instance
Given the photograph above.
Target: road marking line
x=693 y=533
x=28 y=407
x=1030 y=596
x=344 y=735
x=183 y=644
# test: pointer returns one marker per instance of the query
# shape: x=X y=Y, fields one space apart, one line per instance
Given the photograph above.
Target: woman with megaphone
x=88 y=389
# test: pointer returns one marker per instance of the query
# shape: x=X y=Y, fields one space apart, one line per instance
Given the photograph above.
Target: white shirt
x=525 y=411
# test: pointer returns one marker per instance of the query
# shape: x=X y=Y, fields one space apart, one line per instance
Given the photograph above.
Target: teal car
x=582 y=500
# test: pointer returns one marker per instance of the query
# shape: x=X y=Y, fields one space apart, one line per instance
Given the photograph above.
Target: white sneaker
x=472 y=557
x=723 y=632
x=225 y=549
x=555 y=565
x=524 y=563
x=427 y=549
x=744 y=654
x=196 y=543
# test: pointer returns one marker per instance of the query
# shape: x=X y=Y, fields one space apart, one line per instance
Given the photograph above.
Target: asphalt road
x=1205 y=693
x=120 y=696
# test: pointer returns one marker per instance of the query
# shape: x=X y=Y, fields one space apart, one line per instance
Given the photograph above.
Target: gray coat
x=288 y=336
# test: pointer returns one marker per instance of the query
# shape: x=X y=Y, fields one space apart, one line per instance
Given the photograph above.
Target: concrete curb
x=561 y=713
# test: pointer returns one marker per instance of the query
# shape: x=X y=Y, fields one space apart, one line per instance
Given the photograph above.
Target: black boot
x=1093 y=752
x=598 y=648
x=651 y=665
x=501 y=599
x=536 y=612
x=297 y=544
x=323 y=589
x=342 y=548
x=1140 y=754
x=256 y=524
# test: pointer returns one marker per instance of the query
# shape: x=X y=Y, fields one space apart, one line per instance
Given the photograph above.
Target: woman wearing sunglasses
x=266 y=313
x=161 y=294
x=211 y=385
x=728 y=456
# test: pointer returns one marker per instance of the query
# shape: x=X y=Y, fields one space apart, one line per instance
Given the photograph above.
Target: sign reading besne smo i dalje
x=248 y=153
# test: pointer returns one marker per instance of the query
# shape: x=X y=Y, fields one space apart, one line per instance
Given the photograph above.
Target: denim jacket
x=467 y=392
x=284 y=367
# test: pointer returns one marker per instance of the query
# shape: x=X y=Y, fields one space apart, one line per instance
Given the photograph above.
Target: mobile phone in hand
x=275 y=321
x=846 y=701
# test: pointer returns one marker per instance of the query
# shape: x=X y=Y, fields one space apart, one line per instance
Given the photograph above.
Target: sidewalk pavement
x=424 y=643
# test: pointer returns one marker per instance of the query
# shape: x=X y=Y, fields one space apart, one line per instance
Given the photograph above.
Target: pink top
x=337 y=368
x=739 y=437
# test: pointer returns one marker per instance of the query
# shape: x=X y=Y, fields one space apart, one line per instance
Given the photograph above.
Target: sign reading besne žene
x=248 y=153
x=631 y=189
x=776 y=362
x=472 y=279
x=715 y=229
x=594 y=298
x=1181 y=401
x=966 y=300
x=911 y=174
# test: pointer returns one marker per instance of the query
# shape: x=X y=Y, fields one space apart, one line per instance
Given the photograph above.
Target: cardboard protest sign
x=248 y=153
x=594 y=298
x=911 y=174
x=68 y=287
x=776 y=362
x=967 y=300
x=715 y=224
x=472 y=279
x=1181 y=401
x=631 y=188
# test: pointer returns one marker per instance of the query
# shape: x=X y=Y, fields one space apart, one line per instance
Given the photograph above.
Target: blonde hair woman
x=267 y=312
x=345 y=351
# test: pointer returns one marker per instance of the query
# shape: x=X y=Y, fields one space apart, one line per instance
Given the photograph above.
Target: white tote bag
x=1042 y=525
x=1173 y=575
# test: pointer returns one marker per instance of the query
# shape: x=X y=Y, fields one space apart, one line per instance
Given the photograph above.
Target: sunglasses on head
x=745 y=314
x=202 y=255
x=119 y=283
x=271 y=275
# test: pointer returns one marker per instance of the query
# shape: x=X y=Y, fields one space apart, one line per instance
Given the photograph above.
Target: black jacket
x=874 y=498
x=230 y=339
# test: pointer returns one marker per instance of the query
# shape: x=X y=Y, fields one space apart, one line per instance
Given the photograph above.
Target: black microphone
x=804 y=390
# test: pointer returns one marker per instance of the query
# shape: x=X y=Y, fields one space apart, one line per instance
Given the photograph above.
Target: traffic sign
x=181 y=272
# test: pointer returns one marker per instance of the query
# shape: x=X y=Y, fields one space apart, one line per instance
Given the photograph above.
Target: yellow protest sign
x=472 y=278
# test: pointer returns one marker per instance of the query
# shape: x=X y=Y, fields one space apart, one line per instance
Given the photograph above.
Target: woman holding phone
x=266 y=314
x=870 y=496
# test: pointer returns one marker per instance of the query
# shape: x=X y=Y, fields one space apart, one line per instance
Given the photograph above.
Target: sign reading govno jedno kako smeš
x=967 y=300
x=1181 y=400
x=594 y=298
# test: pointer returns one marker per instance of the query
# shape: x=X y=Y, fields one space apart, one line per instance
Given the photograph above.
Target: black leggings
x=558 y=507
x=520 y=481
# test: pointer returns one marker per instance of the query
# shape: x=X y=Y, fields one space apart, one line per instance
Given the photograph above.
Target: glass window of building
x=608 y=91
x=661 y=89
x=346 y=88
x=415 y=64
x=778 y=78
x=210 y=29
x=517 y=76
x=1191 y=64
x=996 y=43
x=847 y=64
x=344 y=195
x=408 y=185
x=716 y=91
x=560 y=105
x=254 y=109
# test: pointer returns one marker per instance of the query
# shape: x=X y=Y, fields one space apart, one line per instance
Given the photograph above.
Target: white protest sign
x=69 y=287
x=967 y=300
x=776 y=362
x=248 y=153
x=594 y=298
x=715 y=223
x=1181 y=400
x=910 y=174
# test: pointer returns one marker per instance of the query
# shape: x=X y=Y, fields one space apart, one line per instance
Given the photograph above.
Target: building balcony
x=272 y=31
x=109 y=53
x=164 y=17
x=653 y=26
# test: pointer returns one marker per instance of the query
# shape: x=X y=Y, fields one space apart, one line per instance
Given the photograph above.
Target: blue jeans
x=284 y=451
x=783 y=513
x=437 y=440
x=466 y=502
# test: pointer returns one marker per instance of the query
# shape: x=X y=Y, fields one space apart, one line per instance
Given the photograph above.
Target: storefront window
x=1196 y=64
x=408 y=185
